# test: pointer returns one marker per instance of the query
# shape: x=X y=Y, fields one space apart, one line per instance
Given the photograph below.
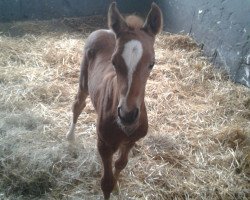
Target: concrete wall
x=222 y=26
x=140 y=7
x=47 y=9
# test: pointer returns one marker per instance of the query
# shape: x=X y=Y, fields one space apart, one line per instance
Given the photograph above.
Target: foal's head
x=133 y=59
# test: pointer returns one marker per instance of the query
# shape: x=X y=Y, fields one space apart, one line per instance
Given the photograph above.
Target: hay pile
x=198 y=142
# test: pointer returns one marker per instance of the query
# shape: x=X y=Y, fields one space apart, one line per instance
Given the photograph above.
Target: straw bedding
x=199 y=138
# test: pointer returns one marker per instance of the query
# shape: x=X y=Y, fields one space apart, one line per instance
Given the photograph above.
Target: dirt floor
x=199 y=137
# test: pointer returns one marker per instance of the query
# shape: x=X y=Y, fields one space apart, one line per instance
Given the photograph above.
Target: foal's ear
x=115 y=20
x=153 y=23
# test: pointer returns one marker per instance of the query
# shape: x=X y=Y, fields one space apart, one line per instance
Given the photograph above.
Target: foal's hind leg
x=77 y=108
x=80 y=99
x=122 y=161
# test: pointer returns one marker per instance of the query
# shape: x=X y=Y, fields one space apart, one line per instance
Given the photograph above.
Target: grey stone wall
x=222 y=26
x=47 y=9
x=139 y=7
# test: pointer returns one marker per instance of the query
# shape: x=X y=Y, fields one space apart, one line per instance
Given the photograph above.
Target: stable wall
x=222 y=27
x=47 y=9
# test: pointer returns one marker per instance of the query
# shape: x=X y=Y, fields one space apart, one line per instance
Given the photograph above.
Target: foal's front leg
x=108 y=181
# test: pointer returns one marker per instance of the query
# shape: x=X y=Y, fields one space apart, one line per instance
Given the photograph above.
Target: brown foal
x=115 y=67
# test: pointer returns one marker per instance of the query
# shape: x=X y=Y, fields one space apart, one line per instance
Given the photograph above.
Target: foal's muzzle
x=127 y=118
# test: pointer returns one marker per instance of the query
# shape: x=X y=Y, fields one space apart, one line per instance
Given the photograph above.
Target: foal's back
x=99 y=48
x=100 y=45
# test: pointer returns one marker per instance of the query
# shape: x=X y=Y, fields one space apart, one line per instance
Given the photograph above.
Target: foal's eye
x=151 y=65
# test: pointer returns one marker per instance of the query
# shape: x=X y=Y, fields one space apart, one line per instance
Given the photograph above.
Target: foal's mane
x=134 y=21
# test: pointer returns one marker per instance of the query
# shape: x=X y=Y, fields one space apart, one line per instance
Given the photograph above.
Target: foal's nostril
x=135 y=113
x=119 y=111
x=128 y=117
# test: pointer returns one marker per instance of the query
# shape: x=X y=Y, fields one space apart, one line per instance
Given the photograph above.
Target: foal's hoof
x=70 y=137
x=116 y=190
x=107 y=197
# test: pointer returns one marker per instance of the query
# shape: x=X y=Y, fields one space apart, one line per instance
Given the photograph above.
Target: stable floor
x=199 y=137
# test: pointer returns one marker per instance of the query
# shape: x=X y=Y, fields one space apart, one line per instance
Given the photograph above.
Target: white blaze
x=132 y=54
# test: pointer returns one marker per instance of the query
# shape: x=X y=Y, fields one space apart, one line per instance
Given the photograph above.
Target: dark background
x=222 y=27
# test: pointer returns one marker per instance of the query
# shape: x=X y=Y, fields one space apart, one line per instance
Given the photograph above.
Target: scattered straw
x=198 y=142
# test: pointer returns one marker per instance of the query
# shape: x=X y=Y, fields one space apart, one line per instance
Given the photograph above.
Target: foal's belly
x=100 y=70
x=101 y=83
